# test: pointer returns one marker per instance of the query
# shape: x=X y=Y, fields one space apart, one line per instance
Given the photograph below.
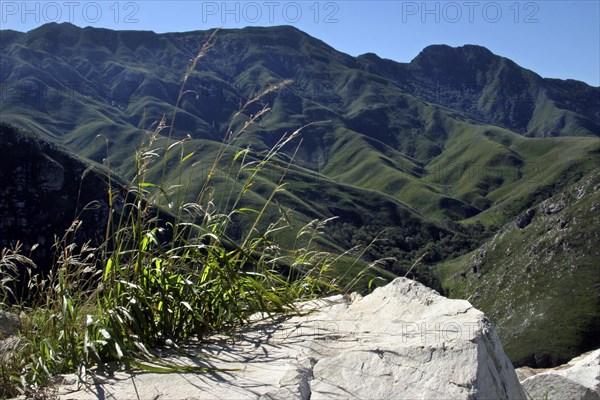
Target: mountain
x=407 y=131
x=423 y=160
x=495 y=90
x=538 y=278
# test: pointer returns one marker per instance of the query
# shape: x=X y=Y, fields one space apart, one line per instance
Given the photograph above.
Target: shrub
x=166 y=272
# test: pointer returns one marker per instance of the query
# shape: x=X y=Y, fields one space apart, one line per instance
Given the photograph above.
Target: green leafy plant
x=167 y=271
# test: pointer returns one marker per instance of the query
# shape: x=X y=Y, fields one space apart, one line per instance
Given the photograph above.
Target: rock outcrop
x=402 y=341
x=9 y=324
x=577 y=380
x=43 y=189
x=538 y=278
x=525 y=219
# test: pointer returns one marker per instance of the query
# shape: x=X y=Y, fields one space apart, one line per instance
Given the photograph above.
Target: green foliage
x=223 y=211
x=447 y=135
x=539 y=282
x=161 y=278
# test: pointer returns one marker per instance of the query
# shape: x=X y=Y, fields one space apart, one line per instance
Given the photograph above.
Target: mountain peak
x=441 y=53
x=470 y=79
x=467 y=48
x=52 y=26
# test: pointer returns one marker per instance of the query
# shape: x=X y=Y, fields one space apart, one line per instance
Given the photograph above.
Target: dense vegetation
x=424 y=143
x=150 y=269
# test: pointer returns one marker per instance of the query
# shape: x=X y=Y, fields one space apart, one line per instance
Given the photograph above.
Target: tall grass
x=166 y=272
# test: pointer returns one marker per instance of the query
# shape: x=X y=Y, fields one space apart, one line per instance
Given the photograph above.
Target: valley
x=424 y=166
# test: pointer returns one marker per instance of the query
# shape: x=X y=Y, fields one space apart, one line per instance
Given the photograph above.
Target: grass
x=505 y=172
x=167 y=271
x=539 y=284
x=218 y=222
x=381 y=137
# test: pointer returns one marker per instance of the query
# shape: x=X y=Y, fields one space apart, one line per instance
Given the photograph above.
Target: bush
x=160 y=278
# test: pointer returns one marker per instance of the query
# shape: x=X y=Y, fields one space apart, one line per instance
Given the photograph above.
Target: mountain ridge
x=425 y=160
x=96 y=81
x=107 y=81
x=538 y=273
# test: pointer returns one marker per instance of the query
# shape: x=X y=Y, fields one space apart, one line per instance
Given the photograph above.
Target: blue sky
x=557 y=39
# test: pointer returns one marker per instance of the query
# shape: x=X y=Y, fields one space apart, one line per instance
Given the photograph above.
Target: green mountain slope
x=427 y=158
x=495 y=90
x=538 y=279
x=75 y=84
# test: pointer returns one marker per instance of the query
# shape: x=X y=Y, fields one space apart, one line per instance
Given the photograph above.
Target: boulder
x=552 y=206
x=9 y=324
x=577 y=380
x=525 y=219
x=402 y=341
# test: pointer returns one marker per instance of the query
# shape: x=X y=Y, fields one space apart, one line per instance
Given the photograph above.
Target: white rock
x=579 y=379
x=402 y=341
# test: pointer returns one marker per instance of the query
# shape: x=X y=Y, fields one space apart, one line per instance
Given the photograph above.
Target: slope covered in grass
x=387 y=127
x=418 y=161
x=538 y=279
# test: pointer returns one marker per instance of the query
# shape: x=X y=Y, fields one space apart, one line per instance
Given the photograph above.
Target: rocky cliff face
x=402 y=341
x=48 y=193
x=43 y=189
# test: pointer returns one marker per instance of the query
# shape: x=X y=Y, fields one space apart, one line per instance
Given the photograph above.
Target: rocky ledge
x=579 y=379
x=402 y=341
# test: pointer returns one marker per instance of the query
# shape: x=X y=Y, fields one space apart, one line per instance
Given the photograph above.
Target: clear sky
x=556 y=39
